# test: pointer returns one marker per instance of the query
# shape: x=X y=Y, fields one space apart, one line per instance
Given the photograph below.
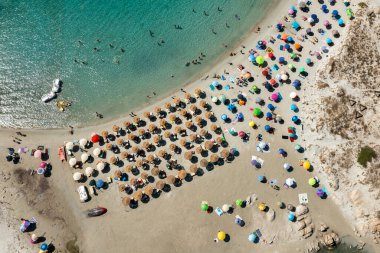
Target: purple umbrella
x=326 y=23
x=255 y=163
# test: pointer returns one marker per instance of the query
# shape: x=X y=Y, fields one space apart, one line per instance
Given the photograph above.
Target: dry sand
x=173 y=222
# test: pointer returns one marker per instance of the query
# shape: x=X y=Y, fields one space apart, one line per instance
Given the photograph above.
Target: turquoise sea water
x=40 y=41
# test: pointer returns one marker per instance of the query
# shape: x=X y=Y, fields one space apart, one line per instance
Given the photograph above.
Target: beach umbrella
x=274 y=96
x=287 y=166
x=77 y=176
x=183 y=142
x=113 y=159
x=147 y=115
x=115 y=128
x=281 y=151
x=255 y=163
x=257 y=112
x=150 y=158
x=148 y=190
x=312 y=181
x=271 y=107
x=117 y=173
x=96 y=152
x=293 y=95
x=99 y=183
x=126 y=201
x=291 y=217
x=340 y=22
x=203 y=132
x=290 y=66
x=226 y=208
x=203 y=163
x=120 y=141
x=44 y=247
x=260 y=60
x=215 y=83
x=89 y=171
x=296 y=83
x=204 y=206
x=69 y=145
x=252 y=58
x=138 y=195
x=251 y=124
x=242 y=134
x=225 y=153
x=252 y=237
x=171 y=179
x=262 y=145
x=213 y=127
x=262 y=206
x=295 y=118
x=221 y=235
x=100 y=166
x=281 y=59
x=279 y=27
x=152 y=127
x=231 y=107
x=193 y=168
x=287 y=46
x=95 y=138
x=214 y=99
x=314 y=16
x=172 y=147
x=197 y=91
x=239 y=202
x=326 y=23
x=329 y=41
x=84 y=157
x=155 y=171
x=306 y=165
x=72 y=162
x=291 y=11
x=261 y=178
x=267 y=128
x=293 y=107
x=308 y=61
x=290 y=182
x=136 y=120
x=270 y=55
x=182 y=174
x=214 y=158
x=224 y=117
x=43 y=165
x=82 y=142
x=334 y=13
x=104 y=134
x=188 y=155
x=335 y=33
x=109 y=146
x=297 y=147
x=222 y=98
x=284 y=77
x=209 y=145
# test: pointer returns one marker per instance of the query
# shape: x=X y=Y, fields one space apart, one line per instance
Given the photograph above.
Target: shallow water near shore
x=137 y=50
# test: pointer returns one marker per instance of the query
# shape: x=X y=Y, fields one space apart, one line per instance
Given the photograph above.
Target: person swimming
x=151 y=33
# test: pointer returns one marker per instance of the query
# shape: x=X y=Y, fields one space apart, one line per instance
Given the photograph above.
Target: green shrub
x=365 y=155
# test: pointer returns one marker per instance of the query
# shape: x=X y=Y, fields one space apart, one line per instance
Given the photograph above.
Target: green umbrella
x=259 y=60
x=222 y=98
x=301 y=70
x=239 y=202
x=297 y=147
x=257 y=112
x=312 y=181
x=204 y=207
x=291 y=66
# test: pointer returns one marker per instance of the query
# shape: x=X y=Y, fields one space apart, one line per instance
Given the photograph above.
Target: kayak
x=97 y=211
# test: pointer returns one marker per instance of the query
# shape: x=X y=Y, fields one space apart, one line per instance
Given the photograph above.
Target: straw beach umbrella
x=167 y=134
x=144 y=175
x=137 y=195
x=148 y=190
x=146 y=115
x=183 y=112
x=157 y=109
x=105 y=134
x=172 y=147
x=115 y=128
x=219 y=140
x=182 y=174
x=203 y=132
x=141 y=131
x=160 y=185
x=168 y=105
x=177 y=129
x=117 y=173
x=126 y=201
x=188 y=155
x=208 y=115
x=176 y=101
x=197 y=92
x=171 y=179
x=109 y=146
x=135 y=149
x=199 y=149
x=193 y=108
x=225 y=153
x=162 y=153
x=209 y=145
x=202 y=103
x=152 y=127
x=121 y=187
x=113 y=159
x=189 y=124
x=127 y=124
x=203 y=163
x=128 y=168
x=123 y=155
x=133 y=181
x=150 y=158
x=183 y=142
x=187 y=96
x=146 y=144
x=214 y=158
x=131 y=137
x=139 y=162
x=172 y=117
x=198 y=120
x=213 y=127
x=194 y=168
x=193 y=137
x=156 y=139
x=163 y=123
x=155 y=171
x=120 y=141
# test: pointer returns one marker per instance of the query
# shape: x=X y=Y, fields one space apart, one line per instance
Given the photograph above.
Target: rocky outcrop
x=330 y=240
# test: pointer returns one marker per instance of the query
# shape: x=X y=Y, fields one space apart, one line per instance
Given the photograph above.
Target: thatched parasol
x=203 y=132
x=182 y=174
x=131 y=137
x=176 y=101
x=194 y=168
x=155 y=171
x=146 y=144
x=193 y=137
x=197 y=92
x=139 y=162
x=160 y=185
x=144 y=175
x=168 y=105
x=171 y=179
x=121 y=187
x=137 y=195
x=115 y=128
x=163 y=123
x=193 y=108
x=136 y=119
x=117 y=173
x=172 y=117
x=209 y=145
x=162 y=153
x=152 y=127
x=124 y=154
x=120 y=141
x=141 y=131
x=157 y=109
x=135 y=149
x=133 y=181
x=224 y=153
x=187 y=96
x=156 y=139
x=150 y=158
x=214 y=158
x=208 y=115
x=188 y=155
x=183 y=112
x=128 y=168
x=113 y=159
x=104 y=134
x=126 y=201
x=127 y=124
x=219 y=140
x=203 y=163
x=148 y=190
x=199 y=149
x=109 y=146
x=172 y=147
x=183 y=142
x=189 y=124
x=202 y=103
x=167 y=134
x=146 y=115
x=177 y=129
x=213 y=127
x=198 y=120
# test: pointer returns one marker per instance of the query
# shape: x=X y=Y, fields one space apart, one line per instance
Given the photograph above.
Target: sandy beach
x=173 y=222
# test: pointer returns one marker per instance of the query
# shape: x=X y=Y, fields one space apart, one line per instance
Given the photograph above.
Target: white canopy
x=69 y=145
x=290 y=181
x=83 y=142
x=84 y=157
x=72 y=162
x=89 y=171
x=293 y=94
x=96 y=152
x=77 y=176
x=100 y=166
x=262 y=145
x=287 y=166
x=226 y=208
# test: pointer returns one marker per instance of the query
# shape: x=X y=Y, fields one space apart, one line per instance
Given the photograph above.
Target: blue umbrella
x=44 y=246
x=279 y=27
x=281 y=151
x=215 y=83
x=335 y=13
x=296 y=83
x=240 y=116
x=324 y=7
x=281 y=59
x=224 y=117
x=329 y=41
x=261 y=178
x=308 y=61
x=99 y=183
x=289 y=39
x=291 y=217
x=231 y=107
x=340 y=21
x=252 y=237
x=313 y=16
x=295 y=118
x=252 y=58
x=267 y=86
x=258 y=100
x=271 y=107
x=269 y=115
x=239 y=221
x=267 y=128
x=287 y=46
x=293 y=107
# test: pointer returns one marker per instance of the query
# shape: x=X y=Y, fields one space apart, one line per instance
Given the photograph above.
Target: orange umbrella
x=171 y=179
x=138 y=195
x=135 y=149
x=183 y=142
x=148 y=190
x=160 y=185
x=203 y=163
x=168 y=105
x=182 y=174
x=156 y=139
x=127 y=124
x=183 y=112
x=146 y=115
x=126 y=201
x=120 y=141
x=150 y=158
x=225 y=153
x=197 y=92
x=136 y=119
x=219 y=140
x=208 y=115
x=167 y=134
x=172 y=117
x=117 y=173
x=297 y=46
x=187 y=96
x=202 y=103
x=155 y=171
x=109 y=146
x=176 y=101
x=131 y=137
x=157 y=109
x=128 y=168
x=146 y=144
x=213 y=127
x=162 y=153
x=241 y=102
x=214 y=158
x=172 y=147
x=284 y=36
x=193 y=108
x=115 y=128
x=189 y=124
x=141 y=131
x=152 y=127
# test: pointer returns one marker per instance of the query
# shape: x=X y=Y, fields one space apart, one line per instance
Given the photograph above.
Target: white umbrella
x=310 y=20
x=96 y=152
x=72 y=162
x=226 y=208
x=293 y=94
x=262 y=145
x=89 y=171
x=77 y=176
x=284 y=77
x=287 y=166
x=69 y=145
x=100 y=166
x=83 y=142
x=290 y=181
x=214 y=99
x=84 y=157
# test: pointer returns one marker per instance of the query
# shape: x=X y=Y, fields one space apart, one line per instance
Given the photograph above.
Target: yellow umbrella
x=306 y=165
x=251 y=124
x=221 y=235
x=262 y=206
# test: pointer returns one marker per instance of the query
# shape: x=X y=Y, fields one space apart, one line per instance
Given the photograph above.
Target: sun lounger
x=218 y=211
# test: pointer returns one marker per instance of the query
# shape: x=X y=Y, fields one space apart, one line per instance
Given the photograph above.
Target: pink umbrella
x=326 y=23
x=43 y=165
x=291 y=11
x=272 y=81
x=37 y=154
x=274 y=96
x=241 y=134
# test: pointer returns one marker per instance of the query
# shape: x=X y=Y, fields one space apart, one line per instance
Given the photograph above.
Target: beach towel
x=303 y=199
x=222 y=77
x=218 y=211
x=232 y=79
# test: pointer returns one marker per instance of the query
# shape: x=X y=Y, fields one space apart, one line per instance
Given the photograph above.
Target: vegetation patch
x=365 y=155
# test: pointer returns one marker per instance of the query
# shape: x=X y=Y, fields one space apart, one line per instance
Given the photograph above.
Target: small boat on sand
x=56 y=85
x=97 y=211
x=47 y=97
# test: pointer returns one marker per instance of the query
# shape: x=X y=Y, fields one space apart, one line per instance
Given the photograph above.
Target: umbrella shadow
x=145 y=199
x=228 y=238
x=156 y=194
x=167 y=188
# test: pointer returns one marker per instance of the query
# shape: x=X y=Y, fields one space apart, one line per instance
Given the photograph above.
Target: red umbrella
x=265 y=72
x=270 y=55
x=241 y=134
x=95 y=138
x=272 y=81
